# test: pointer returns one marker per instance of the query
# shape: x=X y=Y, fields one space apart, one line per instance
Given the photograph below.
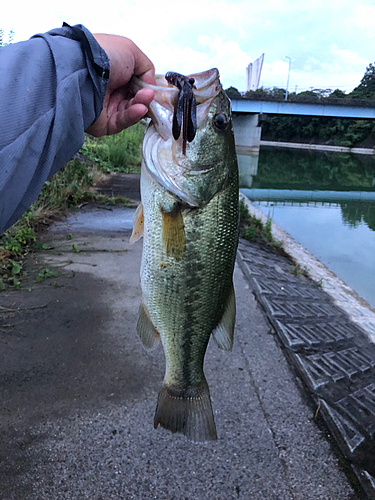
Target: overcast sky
x=330 y=42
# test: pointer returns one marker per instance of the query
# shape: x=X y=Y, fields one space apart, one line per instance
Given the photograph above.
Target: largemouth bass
x=189 y=221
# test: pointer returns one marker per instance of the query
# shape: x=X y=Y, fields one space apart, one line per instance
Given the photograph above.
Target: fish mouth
x=164 y=157
x=206 y=86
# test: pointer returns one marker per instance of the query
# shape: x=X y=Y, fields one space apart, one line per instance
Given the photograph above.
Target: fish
x=189 y=220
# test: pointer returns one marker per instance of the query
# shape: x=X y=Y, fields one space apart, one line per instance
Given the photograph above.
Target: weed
x=297 y=270
x=15 y=240
x=15 y=282
x=68 y=188
x=14 y=267
x=253 y=228
x=39 y=246
x=267 y=233
x=244 y=211
x=120 y=153
x=249 y=233
x=44 y=274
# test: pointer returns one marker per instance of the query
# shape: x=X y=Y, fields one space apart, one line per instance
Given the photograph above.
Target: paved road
x=78 y=391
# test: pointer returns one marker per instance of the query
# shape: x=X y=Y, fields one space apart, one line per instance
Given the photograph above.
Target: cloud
x=364 y=17
x=330 y=42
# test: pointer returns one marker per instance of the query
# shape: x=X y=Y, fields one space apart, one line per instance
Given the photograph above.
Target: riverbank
x=343 y=296
x=318 y=147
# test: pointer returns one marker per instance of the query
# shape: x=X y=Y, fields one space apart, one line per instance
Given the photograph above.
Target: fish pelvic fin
x=188 y=412
x=138 y=225
x=224 y=332
x=146 y=331
x=173 y=233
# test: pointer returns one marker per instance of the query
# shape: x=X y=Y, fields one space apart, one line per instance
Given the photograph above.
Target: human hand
x=122 y=108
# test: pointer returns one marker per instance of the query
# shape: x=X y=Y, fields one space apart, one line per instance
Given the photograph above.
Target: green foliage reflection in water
x=302 y=170
x=290 y=169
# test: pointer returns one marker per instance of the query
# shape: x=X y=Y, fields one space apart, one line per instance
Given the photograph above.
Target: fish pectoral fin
x=187 y=411
x=223 y=333
x=146 y=331
x=173 y=233
x=138 y=225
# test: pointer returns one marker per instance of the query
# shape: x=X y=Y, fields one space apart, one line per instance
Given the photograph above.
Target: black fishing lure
x=185 y=108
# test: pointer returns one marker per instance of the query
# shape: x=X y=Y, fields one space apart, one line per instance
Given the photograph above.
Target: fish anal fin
x=138 y=226
x=145 y=329
x=173 y=233
x=223 y=333
x=188 y=412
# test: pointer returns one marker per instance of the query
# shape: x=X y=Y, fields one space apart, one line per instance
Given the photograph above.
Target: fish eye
x=221 y=121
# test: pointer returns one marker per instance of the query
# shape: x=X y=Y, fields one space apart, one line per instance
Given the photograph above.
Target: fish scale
x=187 y=289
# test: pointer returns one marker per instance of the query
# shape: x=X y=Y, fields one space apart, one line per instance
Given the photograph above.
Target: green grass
x=253 y=228
x=68 y=188
x=117 y=153
x=298 y=270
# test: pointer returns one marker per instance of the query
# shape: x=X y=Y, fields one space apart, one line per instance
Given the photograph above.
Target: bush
x=119 y=153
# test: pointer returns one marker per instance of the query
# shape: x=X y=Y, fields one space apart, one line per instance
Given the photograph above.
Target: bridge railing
x=303 y=99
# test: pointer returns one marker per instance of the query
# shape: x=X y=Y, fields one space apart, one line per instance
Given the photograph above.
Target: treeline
x=331 y=131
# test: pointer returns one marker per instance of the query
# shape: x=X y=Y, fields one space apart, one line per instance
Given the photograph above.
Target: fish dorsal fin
x=223 y=333
x=146 y=331
x=173 y=233
x=138 y=225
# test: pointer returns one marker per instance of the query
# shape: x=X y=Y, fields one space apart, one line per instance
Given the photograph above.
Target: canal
x=326 y=201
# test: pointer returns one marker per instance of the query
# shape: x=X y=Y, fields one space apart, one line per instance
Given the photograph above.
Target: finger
x=143 y=96
x=119 y=100
x=126 y=118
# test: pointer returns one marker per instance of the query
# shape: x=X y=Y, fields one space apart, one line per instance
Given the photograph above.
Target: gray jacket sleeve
x=52 y=89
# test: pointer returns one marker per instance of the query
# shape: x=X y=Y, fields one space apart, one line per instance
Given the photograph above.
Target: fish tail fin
x=187 y=411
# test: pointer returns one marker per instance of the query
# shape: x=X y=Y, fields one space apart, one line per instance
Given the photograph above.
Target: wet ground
x=78 y=392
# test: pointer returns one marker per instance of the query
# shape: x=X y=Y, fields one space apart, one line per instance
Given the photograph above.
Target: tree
x=338 y=93
x=366 y=89
x=233 y=93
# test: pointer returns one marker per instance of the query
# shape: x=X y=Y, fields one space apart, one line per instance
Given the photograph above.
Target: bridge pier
x=247 y=138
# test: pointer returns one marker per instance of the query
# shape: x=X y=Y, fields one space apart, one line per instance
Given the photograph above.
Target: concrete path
x=78 y=392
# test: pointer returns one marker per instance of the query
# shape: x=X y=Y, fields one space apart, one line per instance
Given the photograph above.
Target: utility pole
x=287 y=83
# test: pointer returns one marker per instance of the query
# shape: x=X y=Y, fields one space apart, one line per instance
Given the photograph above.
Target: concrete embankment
x=328 y=334
x=318 y=147
x=343 y=296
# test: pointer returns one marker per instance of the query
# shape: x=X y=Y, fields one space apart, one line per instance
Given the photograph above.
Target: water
x=327 y=203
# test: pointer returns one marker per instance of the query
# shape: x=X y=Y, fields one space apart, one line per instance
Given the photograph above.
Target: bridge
x=305 y=196
x=247 y=130
x=250 y=106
